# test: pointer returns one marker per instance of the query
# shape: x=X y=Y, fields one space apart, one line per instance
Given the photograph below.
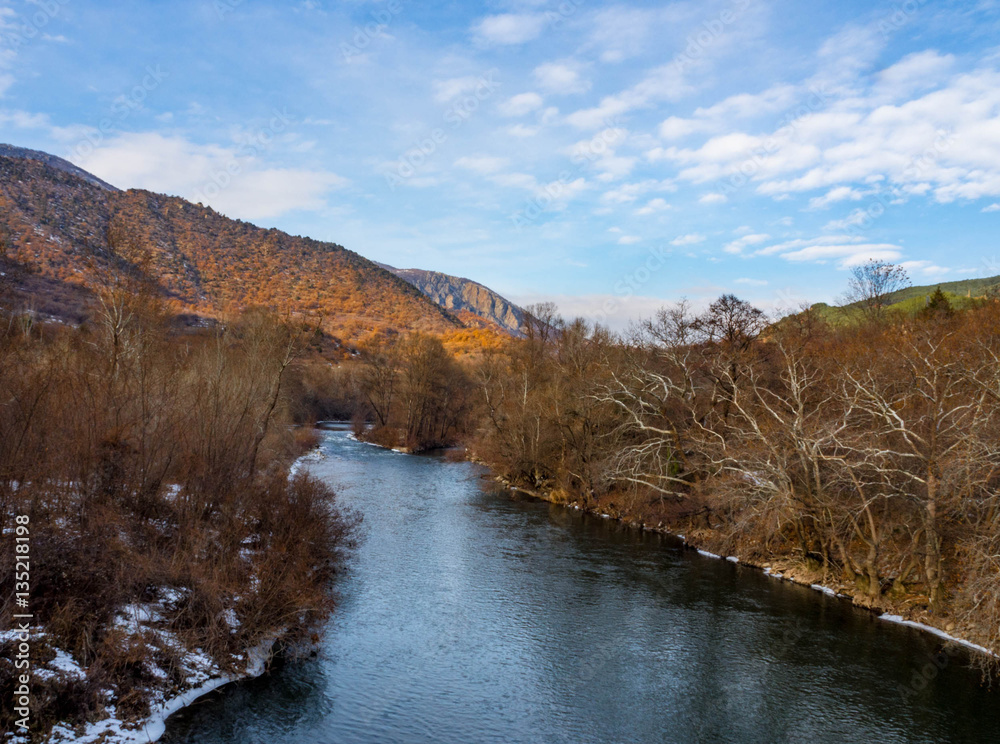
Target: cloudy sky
x=608 y=156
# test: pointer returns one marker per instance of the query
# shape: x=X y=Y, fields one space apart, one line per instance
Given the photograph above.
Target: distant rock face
x=10 y=151
x=457 y=295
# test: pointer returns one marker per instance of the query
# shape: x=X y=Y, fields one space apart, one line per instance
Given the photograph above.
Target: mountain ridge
x=13 y=151
x=465 y=297
x=58 y=222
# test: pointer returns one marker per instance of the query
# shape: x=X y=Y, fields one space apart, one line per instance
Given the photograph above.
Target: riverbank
x=901 y=610
x=112 y=730
x=56 y=672
x=180 y=639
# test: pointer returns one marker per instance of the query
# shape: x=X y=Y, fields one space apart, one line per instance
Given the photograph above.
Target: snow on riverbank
x=900 y=620
x=398 y=450
x=194 y=673
x=769 y=572
x=201 y=676
x=314 y=455
x=114 y=731
x=897 y=619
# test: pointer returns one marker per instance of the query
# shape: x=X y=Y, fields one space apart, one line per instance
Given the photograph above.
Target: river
x=468 y=615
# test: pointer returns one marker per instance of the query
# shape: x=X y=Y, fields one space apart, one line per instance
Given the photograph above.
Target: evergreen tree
x=938 y=306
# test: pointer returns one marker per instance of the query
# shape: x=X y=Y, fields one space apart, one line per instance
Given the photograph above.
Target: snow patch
x=350 y=435
x=899 y=620
x=113 y=731
x=824 y=589
x=229 y=617
x=132 y=617
x=66 y=664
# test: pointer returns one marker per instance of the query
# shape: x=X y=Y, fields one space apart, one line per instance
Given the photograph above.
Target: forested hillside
x=57 y=224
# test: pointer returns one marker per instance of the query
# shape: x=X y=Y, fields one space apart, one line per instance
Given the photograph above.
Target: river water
x=471 y=616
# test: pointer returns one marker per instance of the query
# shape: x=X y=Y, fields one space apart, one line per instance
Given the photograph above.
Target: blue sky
x=609 y=157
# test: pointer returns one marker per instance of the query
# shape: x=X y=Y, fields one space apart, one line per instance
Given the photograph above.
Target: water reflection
x=471 y=616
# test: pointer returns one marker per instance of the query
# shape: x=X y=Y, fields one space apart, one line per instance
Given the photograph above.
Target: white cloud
x=746 y=105
x=510 y=28
x=521 y=130
x=752 y=282
x=72 y=134
x=713 y=199
x=665 y=83
x=857 y=218
x=516 y=180
x=689 y=239
x=8 y=24
x=629 y=192
x=992 y=208
x=483 y=164
x=846 y=254
x=629 y=240
x=614 y=311
x=173 y=165
x=918 y=71
x=675 y=127
x=846 y=55
x=653 y=206
x=926 y=268
x=556 y=195
x=739 y=244
x=447 y=90
x=621 y=31
x=943 y=142
x=560 y=78
x=840 y=193
x=521 y=104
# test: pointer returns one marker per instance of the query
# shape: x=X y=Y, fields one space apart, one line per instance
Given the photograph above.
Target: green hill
x=911 y=300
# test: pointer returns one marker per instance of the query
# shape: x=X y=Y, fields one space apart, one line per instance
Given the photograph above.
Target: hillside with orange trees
x=58 y=225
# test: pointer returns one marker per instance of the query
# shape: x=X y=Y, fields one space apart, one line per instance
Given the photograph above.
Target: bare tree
x=871 y=285
x=423 y=393
x=923 y=432
x=379 y=378
x=732 y=322
x=541 y=322
x=661 y=394
x=518 y=386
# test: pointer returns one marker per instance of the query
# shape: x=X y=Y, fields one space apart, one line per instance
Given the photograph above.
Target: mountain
x=465 y=298
x=57 y=219
x=10 y=151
